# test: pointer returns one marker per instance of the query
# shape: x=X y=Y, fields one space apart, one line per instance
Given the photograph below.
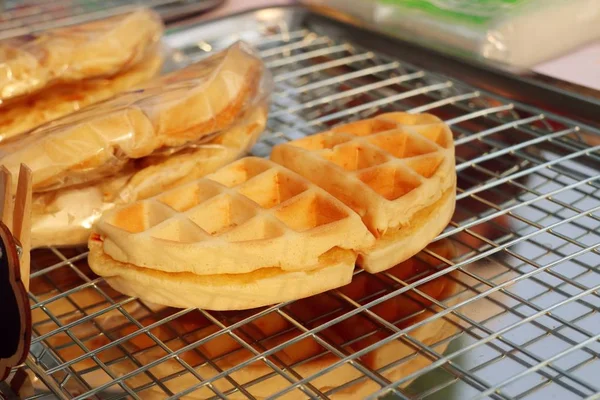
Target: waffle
x=33 y=111
x=258 y=288
x=166 y=171
x=174 y=110
x=95 y=49
x=396 y=171
x=64 y=217
x=393 y=360
x=248 y=215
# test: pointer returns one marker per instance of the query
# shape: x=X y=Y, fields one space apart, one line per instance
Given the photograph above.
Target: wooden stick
x=22 y=221
x=6 y=201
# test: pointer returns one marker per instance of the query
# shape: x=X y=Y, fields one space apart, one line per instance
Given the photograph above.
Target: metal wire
x=526 y=230
x=30 y=16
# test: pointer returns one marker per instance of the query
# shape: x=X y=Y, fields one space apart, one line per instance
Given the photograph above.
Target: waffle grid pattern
x=251 y=206
x=389 y=157
x=270 y=187
x=371 y=161
x=526 y=232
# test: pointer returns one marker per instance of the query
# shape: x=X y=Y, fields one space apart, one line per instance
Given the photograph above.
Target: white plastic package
x=517 y=33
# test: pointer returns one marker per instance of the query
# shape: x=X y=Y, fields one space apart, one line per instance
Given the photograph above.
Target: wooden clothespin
x=15 y=231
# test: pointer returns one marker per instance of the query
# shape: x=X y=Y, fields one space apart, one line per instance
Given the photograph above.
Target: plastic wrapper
x=65 y=217
x=32 y=111
x=514 y=33
x=179 y=109
x=100 y=48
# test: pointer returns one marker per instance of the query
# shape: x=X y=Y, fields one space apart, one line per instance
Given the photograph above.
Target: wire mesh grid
x=18 y=17
x=503 y=305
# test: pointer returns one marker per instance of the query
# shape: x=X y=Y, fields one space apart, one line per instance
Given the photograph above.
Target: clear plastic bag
x=35 y=110
x=179 y=109
x=64 y=217
x=100 y=48
x=515 y=33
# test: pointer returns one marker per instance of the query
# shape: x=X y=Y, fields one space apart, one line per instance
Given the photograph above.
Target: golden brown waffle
x=94 y=49
x=394 y=360
x=64 y=217
x=175 y=110
x=261 y=287
x=396 y=171
x=32 y=111
x=248 y=215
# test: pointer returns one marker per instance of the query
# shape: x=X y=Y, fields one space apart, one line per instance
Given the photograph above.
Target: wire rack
x=521 y=323
x=18 y=17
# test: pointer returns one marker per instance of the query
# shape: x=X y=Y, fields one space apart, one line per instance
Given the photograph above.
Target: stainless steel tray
x=527 y=225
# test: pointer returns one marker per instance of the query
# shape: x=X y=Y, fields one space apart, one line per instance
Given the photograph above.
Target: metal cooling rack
x=18 y=17
x=526 y=230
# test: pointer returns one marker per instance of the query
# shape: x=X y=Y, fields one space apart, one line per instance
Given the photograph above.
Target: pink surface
x=234 y=6
x=581 y=67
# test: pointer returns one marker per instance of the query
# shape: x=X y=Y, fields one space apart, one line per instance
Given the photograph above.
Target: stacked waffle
x=171 y=129
x=48 y=75
x=258 y=232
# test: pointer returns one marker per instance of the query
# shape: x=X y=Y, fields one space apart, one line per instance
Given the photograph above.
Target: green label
x=465 y=11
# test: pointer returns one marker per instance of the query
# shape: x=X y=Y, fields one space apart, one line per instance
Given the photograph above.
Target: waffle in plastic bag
x=176 y=110
x=100 y=48
x=64 y=217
